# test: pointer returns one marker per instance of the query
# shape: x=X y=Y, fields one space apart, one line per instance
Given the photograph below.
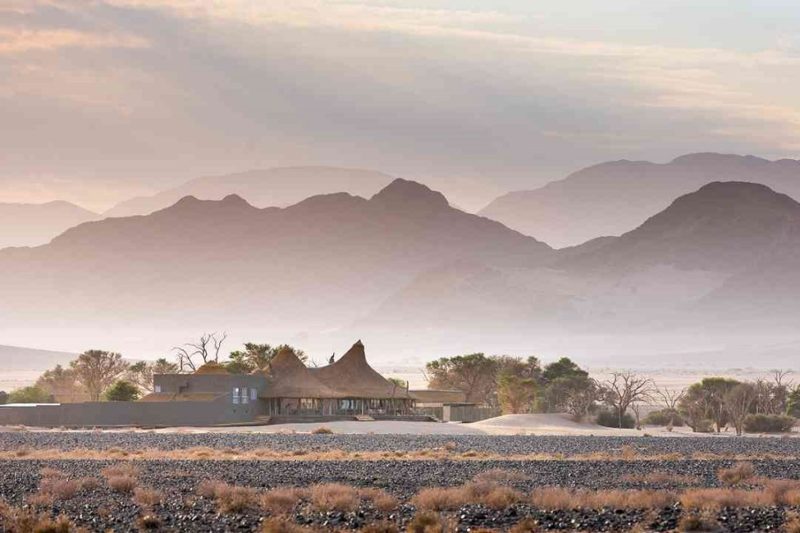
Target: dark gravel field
x=501 y=445
x=98 y=508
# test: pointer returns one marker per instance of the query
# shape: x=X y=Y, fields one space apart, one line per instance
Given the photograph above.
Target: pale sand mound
x=552 y=424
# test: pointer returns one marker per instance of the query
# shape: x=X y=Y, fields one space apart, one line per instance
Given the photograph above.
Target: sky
x=103 y=100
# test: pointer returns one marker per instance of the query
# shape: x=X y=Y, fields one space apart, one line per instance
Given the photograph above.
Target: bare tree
x=193 y=355
x=738 y=402
x=141 y=373
x=96 y=370
x=624 y=389
x=670 y=398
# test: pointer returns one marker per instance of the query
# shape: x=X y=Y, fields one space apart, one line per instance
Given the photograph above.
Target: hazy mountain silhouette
x=615 y=197
x=36 y=224
x=16 y=359
x=263 y=188
x=320 y=263
x=724 y=257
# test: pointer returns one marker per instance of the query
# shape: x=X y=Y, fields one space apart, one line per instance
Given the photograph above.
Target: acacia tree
x=141 y=373
x=738 y=402
x=474 y=374
x=516 y=394
x=624 y=389
x=670 y=399
x=193 y=355
x=258 y=357
x=96 y=370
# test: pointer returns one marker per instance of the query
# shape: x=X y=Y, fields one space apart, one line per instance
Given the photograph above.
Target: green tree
x=563 y=368
x=793 y=404
x=141 y=373
x=3 y=397
x=32 y=394
x=516 y=394
x=474 y=374
x=96 y=370
x=122 y=391
x=258 y=357
x=715 y=389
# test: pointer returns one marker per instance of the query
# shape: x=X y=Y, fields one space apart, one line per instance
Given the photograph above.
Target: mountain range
x=262 y=188
x=404 y=267
x=612 y=198
x=36 y=224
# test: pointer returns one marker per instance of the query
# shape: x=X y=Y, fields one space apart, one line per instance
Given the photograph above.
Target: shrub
x=662 y=417
x=147 y=497
x=427 y=523
x=322 y=431
x=381 y=500
x=714 y=499
x=736 y=474
x=334 y=497
x=281 y=501
x=122 y=484
x=122 y=391
x=769 y=423
x=439 y=499
x=3 y=397
x=30 y=394
x=611 y=420
x=229 y=498
x=277 y=525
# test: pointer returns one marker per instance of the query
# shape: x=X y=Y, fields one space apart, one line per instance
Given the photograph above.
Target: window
x=244 y=395
x=236 y=395
x=157 y=388
x=253 y=394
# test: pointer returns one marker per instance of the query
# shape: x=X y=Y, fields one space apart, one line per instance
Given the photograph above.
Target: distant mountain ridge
x=18 y=359
x=612 y=198
x=319 y=263
x=36 y=224
x=278 y=187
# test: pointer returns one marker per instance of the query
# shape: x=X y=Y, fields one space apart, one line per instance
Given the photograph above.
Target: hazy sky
x=103 y=99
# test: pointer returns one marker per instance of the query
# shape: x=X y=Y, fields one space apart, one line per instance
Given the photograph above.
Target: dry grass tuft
x=334 y=497
x=714 y=499
x=428 y=523
x=121 y=477
x=792 y=523
x=122 y=484
x=737 y=474
x=660 y=477
x=149 y=522
x=281 y=501
x=278 y=525
x=558 y=498
x=146 y=498
x=381 y=500
x=527 y=525
x=439 y=498
x=229 y=498
x=697 y=522
x=322 y=431
x=28 y=521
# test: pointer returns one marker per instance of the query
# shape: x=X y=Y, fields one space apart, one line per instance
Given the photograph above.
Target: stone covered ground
x=224 y=488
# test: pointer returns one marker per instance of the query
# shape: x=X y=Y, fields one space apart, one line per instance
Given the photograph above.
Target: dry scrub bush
x=527 y=525
x=381 y=500
x=556 y=498
x=428 y=523
x=28 y=521
x=334 y=497
x=229 y=498
x=697 y=522
x=323 y=431
x=280 y=525
x=445 y=499
x=783 y=491
x=737 y=474
x=792 y=523
x=281 y=501
x=714 y=499
x=144 y=497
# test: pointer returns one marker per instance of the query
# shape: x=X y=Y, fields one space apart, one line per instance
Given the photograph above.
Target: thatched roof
x=354 y=378
x=288 y=377
x=212 y=367
x=181 y=397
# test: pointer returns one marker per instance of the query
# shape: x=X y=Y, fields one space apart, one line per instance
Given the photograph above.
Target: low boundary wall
x=142 y=414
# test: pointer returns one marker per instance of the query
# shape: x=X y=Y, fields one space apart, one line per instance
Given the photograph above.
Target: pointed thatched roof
x=354 y=378
x=288 y=377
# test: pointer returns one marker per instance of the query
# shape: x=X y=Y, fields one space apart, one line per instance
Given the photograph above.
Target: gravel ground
x=99 y=508
x=501 y=445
